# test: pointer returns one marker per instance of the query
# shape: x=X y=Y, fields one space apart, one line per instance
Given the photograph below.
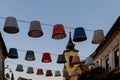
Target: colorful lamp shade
x=46 y=57
x=75 y=60
x=30 y=70
x=13 y=54
x=98 y=37
x=79 y=34
x=49 y=73
x=35 y=29
x=61 y=59
x=57 y=73
x=30 y=55
x=73 y=73
x=19 y=68
x=89 y=61
x=58 y=32
x=39 y=71
x=11 y=25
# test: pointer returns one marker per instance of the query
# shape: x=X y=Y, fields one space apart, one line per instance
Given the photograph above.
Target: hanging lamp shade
x=19 y=68
x=73 y=73
x=11 y=25
x=49 y=73
x=98 y=36
x=75 y=60
x=89 y=61
x=30 y=70
x=79 y=34
x=46 y=57
x=58 y=32
x=39 y=71
x=13 y=54
x=61 y=59
x=57 y=73
x=65 y=73
x=30 y=55
x=35 y=29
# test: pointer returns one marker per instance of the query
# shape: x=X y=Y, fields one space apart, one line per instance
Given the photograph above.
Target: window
x=107 y=64
x=116 y=58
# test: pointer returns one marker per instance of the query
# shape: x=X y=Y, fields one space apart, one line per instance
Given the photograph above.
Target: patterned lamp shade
x=30 y=55
x=61 y=58
x=35 y=29
x=98 y=37
x=39 y=71
x=79 y=35
x=19 y=68
x=46 y=57
x=13 y=54
x=30 y=70
x=11 y=25
x=58 y=32
x=89 y=61
x=73 y=73
x=49 y=73
x=75 y=60
x=57 y=73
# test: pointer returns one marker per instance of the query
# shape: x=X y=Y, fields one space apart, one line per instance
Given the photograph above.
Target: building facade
x=3 y=55
x=107 y=54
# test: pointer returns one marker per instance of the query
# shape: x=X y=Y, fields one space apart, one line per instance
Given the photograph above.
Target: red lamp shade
x=49 y=73
x=75 y=60
x=46 y=57
x=58 y=32
x=39 y=72
x=35 y=29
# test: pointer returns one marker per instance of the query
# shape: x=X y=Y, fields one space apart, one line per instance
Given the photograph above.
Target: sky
x=89 y=14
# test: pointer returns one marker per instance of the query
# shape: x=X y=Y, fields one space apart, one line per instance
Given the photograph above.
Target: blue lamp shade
x=19 y=68
x=13 y=54
x=65 y=73
x=89 y=61
x=11 y=25
x=61 y=59
x=30 y=55
x=79 y=35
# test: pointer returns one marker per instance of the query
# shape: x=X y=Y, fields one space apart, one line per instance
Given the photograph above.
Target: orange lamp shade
x=58 y=32
x=35 y=29
x=49 y=73
x=46 y=57
x=39 y=71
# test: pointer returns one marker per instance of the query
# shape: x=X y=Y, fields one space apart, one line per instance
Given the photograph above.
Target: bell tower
x=69 y=53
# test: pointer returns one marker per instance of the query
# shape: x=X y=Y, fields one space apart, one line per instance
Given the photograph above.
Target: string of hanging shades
x=35 y=29
x=98 y=37
x=58 y=32
x=13 y=54
x=79 y=34
x=30 y=55
x=11 y=25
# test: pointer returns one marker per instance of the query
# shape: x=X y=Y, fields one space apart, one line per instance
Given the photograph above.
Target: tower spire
x=70 y=44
